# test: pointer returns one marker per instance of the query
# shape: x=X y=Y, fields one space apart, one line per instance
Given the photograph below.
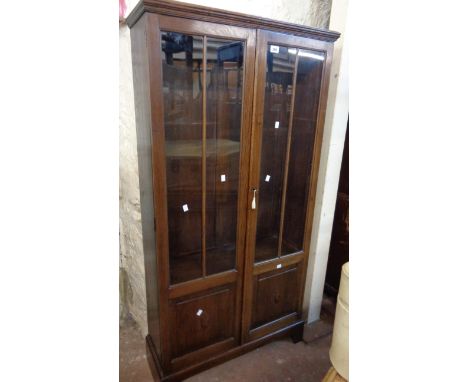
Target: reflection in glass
x=223 y=126
x=183 y=89
x=182 y=59
x=282 y=189
x=307 y=88
x=277 y=107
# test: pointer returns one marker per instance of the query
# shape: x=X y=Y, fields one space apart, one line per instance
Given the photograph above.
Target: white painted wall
x=330 y=165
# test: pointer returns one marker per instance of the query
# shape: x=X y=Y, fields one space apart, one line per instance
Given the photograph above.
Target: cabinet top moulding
x=198 y=12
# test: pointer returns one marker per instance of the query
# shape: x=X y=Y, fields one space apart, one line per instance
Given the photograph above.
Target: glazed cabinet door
x=288 y=120
x=201 y=142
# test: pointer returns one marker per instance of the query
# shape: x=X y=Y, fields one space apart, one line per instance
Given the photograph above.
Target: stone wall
x=132 y=276
x=132 y=272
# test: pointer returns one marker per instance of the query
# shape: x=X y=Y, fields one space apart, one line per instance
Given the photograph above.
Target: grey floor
x=280 y=360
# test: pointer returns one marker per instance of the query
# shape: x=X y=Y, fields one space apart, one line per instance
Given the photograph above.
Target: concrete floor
x=280 y=360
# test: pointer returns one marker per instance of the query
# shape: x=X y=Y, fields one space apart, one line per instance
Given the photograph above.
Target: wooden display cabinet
x=230 y=111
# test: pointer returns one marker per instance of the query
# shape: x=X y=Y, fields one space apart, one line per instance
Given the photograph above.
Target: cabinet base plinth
x=297 y=333
x=294 y=330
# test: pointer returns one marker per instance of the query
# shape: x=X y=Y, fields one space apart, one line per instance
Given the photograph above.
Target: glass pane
x=277 y=106
x=182 y=59
x=309 y=74
x=223 y=127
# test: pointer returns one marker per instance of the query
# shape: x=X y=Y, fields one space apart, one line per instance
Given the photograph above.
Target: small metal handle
x=254 y=204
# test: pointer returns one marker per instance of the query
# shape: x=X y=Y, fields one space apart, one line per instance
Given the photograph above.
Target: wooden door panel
x=200 y=76
x=276 y=295
x=200 y=266
x=200 y=320
x=291 y=82
x=207 y=235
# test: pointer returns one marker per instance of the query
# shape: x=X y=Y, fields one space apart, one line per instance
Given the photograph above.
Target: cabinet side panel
x=141 y=85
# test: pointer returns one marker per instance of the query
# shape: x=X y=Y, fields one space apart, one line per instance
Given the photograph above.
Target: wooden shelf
x=193 y=148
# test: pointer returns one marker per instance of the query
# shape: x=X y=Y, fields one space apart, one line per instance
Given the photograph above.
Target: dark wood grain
x=199 y=320
x=273 y=326
x=154 y=23
x=145 y=174
x=153 y=43
x=275 y=295
x=214 y=360
x=253 y=175
x=283 y=261
x=297 y=230
x=204 y=161
x=213 y=349
x=243 y=303
x=154 y=360
x=203 y=283
x=190 y=11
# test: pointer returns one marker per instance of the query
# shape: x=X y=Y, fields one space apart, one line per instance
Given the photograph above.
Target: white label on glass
x=199 y=312
x=278 y=266
x=267 y=178
x=277 y=125
x=274 y=48
x=185 y=207
x=223 y=178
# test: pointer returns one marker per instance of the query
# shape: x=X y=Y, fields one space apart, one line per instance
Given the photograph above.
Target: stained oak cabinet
x=229 y=112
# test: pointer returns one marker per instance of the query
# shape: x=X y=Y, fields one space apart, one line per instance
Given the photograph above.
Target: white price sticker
x=277 y=125
x=274 y=48
x=223 y=178
x=185 y=207
x=267 y=178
